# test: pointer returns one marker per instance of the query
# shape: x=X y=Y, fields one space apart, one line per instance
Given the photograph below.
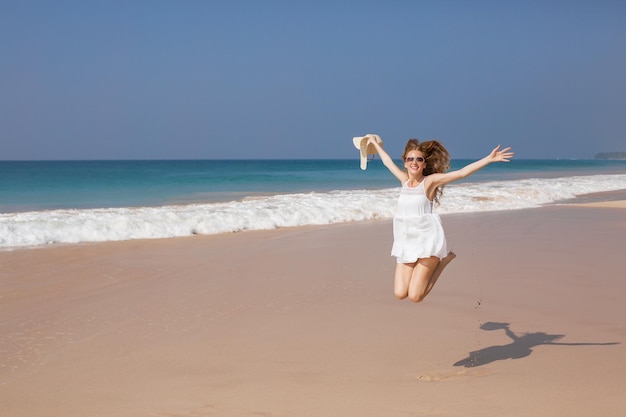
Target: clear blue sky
x=297 y=79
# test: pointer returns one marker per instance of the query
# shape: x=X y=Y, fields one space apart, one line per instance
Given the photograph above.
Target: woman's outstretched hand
x=501 y=155
x=372 y=141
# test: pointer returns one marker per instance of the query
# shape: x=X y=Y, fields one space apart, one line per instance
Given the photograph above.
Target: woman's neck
x=415 y=181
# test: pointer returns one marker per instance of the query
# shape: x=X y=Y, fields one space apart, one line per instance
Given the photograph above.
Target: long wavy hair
x=436 y=156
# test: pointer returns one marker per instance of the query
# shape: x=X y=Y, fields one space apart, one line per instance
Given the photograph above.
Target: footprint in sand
x=436 y=376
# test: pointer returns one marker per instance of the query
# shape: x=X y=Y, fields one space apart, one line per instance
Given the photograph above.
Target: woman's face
x=414 y=162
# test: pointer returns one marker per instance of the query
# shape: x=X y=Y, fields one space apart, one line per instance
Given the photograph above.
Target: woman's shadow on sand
x=520 y=347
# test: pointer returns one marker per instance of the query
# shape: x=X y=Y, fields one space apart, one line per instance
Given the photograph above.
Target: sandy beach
x=528 y=320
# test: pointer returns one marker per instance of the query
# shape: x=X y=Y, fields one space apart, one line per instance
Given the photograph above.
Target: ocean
x=56 y=202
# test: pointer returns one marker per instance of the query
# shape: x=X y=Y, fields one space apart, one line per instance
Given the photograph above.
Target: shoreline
x=610 y=197
x=615 y=198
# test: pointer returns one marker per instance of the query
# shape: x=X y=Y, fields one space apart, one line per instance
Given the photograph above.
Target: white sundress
x=417 y=231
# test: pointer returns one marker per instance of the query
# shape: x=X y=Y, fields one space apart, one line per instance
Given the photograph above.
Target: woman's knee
x=416 y=298
x=400 y=293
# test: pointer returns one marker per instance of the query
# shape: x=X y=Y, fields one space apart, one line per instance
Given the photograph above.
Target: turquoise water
x=91 y=184
x=43 y=203
x=44 y=185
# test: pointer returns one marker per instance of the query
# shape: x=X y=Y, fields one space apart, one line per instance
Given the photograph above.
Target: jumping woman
x=419 y=239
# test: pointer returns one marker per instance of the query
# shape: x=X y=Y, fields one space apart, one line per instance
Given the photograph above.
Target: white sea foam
x=95 y=225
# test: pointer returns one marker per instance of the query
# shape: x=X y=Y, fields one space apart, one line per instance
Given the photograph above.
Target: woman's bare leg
x=416 y=280
x=402 y=278
x=438 y=270
x=422 y=273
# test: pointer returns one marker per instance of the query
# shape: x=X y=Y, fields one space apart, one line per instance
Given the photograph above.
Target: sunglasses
x=414 y=158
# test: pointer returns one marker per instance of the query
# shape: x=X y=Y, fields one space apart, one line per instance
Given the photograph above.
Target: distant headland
x=610 y=155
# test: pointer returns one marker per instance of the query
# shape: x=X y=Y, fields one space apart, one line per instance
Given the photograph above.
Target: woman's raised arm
x=397 y=172
x=496 y=155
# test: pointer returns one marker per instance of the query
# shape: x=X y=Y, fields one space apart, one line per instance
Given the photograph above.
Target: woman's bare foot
x=449 y=257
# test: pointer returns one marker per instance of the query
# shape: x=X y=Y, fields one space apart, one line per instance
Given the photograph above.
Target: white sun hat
x=360 y=142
